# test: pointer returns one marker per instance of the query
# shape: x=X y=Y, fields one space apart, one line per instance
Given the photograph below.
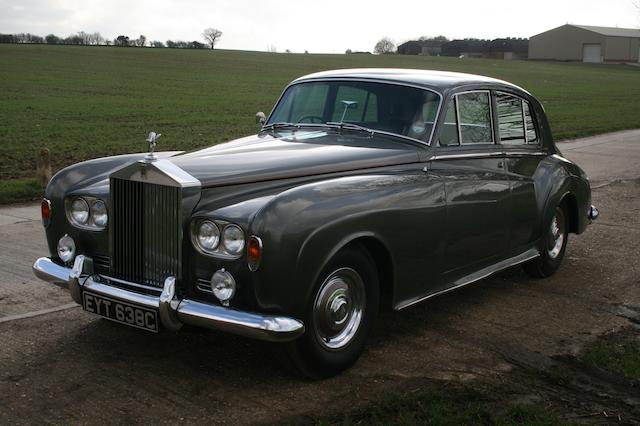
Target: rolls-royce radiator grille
x=146 y=232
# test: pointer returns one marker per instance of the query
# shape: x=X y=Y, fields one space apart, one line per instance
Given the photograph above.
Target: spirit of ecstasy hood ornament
x=152 y=139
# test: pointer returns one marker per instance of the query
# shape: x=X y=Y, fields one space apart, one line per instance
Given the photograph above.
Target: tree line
x=211 y=36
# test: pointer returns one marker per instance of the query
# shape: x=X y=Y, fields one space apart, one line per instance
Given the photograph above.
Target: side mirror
x=261 y=118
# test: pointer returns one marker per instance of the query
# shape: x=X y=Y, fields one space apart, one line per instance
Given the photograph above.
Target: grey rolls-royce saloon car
x=363 y=189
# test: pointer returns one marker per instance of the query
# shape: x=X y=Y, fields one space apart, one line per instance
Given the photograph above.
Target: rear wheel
x=552 y=246
x=339 y=316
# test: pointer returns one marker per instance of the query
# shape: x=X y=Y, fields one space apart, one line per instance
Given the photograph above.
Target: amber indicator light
x=45 y=209
x=254 y=251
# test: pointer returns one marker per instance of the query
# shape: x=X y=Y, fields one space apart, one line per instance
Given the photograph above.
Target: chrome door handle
x=501 y=165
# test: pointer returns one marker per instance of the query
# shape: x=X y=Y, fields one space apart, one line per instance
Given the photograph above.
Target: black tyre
x=552 y=246
x=338 y=317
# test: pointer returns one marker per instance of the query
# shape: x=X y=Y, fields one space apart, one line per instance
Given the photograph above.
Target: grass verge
x=446 y=404
x=616 y=353
x=19 y=190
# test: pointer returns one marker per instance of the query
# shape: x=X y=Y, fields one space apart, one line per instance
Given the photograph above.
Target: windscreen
x=403 y=110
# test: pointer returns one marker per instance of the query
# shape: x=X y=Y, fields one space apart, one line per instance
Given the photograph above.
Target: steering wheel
x=312 y=119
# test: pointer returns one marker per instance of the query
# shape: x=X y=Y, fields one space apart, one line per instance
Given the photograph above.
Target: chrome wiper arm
x=351 y=126
x=279 y=125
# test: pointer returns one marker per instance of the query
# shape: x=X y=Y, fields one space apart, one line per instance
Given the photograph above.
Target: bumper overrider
x=173 y=312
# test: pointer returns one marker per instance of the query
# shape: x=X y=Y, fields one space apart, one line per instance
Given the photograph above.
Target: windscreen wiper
x=279 y=125
x=351 y=126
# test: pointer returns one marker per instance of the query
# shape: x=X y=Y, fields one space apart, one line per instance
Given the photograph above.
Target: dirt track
x=70 y=367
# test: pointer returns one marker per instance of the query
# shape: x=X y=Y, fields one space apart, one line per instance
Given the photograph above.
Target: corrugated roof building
x=587 y=44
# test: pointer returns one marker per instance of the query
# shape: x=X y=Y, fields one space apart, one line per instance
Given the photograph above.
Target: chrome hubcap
x=338 y=308
x=556 y=234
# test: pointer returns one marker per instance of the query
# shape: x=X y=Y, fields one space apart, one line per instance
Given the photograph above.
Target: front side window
x=403 y=110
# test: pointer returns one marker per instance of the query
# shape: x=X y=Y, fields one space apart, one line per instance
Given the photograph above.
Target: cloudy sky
x=317 y=26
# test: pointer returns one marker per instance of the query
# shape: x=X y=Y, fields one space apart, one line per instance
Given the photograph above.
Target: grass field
x=85 y=102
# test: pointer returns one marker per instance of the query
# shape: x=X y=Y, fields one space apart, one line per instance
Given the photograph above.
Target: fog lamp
x=66 y=249
x=223 y=285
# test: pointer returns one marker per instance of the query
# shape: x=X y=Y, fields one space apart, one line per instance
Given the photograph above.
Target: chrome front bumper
x=173 y=312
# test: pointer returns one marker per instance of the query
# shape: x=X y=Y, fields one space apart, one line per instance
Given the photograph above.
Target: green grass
x=18 y=190
x=616 y=354
x=445 y=406
x=86 y=102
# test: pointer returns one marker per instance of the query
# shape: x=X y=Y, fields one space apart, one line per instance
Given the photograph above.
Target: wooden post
x=43 y=167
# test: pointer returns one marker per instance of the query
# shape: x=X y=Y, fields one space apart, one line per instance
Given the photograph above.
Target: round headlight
x=99 y=213
x=223 y=285
x=80 y=211
x=66 y=249
x=208 y=235
x=233 y=239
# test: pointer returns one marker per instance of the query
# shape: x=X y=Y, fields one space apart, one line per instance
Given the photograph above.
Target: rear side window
x=474 y=117
x=467 y=120
x=515 y=122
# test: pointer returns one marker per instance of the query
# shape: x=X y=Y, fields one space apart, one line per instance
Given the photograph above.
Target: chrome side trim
x=485 y=155
x=471 y=155
x=173 y=312
x=477 y=276
x=520 y=153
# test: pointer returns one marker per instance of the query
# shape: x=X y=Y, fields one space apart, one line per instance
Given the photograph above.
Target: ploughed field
x=87 y=102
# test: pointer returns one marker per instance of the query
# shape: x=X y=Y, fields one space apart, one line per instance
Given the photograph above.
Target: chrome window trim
x=369 y=80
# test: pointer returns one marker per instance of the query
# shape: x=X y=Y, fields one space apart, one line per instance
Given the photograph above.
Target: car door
x=519 y=137
x=477 y=189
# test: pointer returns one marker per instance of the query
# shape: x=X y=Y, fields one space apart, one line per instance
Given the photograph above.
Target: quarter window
x=510 y=119
x=515 y=122
x=532 y=136
x=474 y=117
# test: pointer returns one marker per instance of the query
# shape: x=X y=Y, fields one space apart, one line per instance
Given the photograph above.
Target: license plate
x=122 y=312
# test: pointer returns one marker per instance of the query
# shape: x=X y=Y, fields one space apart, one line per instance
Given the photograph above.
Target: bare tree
x=212 y=36
x=384 y=46
x=140 y=41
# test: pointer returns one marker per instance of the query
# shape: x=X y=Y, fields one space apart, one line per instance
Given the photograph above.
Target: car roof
x=441 y=80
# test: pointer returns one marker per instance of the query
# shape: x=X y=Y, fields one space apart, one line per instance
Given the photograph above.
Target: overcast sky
x=329 y=26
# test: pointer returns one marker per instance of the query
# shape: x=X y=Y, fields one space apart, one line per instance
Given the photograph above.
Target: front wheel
x=339 y=316
x=552 y=246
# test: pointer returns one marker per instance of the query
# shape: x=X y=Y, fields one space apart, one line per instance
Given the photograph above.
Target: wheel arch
x=380 y=253
x=571 y=204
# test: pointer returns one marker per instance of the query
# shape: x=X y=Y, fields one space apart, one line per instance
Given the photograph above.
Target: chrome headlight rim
x=93 y=222
x=221 y=251
x=99 y=213
x=214 y=229
x=233 y=244
x=79 y=211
